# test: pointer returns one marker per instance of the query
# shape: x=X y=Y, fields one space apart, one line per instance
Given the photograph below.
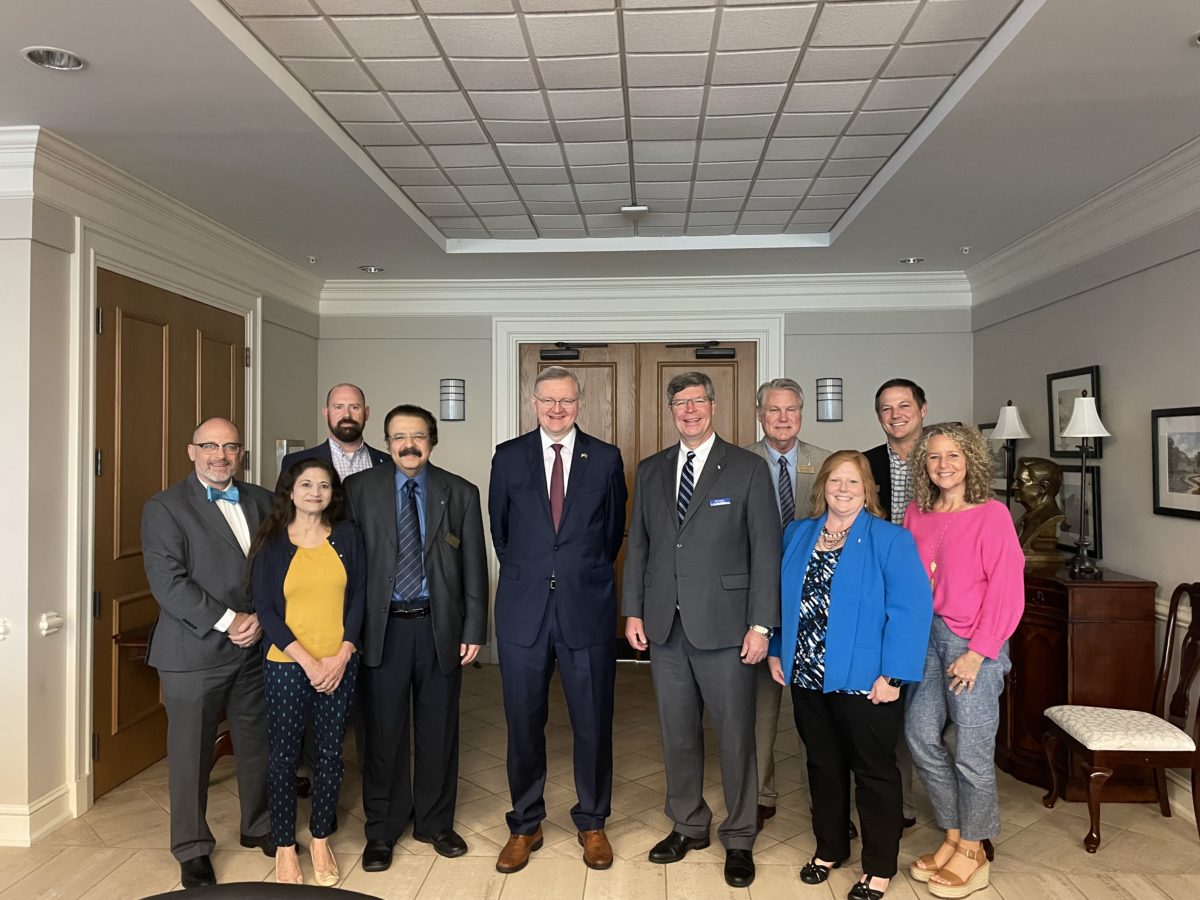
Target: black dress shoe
x=197 y=872
x=674 y=847
x=739 y=868
x=906 y=823
x=263 y=843
x=764 y=813
x=853 y=832
x=377 y=855
x=446 y=843
x=812 y=872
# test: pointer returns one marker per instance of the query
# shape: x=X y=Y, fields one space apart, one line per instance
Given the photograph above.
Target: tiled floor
x=119 y=848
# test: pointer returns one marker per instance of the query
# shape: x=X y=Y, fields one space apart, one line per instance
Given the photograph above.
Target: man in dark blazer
x=195 y=536
x=557 y=510
x=346 y=413
x=701 y=589
x=426 y=618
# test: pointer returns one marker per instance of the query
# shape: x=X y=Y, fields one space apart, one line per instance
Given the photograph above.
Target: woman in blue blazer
x=856 y=612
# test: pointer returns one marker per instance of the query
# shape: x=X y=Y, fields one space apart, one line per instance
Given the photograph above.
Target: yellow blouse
x=314 y=592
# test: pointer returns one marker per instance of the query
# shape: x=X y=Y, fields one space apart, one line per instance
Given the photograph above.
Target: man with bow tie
x=195 y=537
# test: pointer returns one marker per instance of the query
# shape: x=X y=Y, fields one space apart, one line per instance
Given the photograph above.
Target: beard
x=347 y=431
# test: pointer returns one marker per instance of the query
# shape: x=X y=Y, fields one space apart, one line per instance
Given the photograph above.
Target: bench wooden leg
x=1096 y=778
x=1160 y=788
x=1050 y=749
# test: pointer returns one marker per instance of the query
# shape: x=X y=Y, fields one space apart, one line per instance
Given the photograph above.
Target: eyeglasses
x=547 y=403
x=400 y=436
x=213 y=447
x=699 y=403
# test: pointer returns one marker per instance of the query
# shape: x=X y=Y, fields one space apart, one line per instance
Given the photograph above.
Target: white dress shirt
x=697 y=463
x=568 y=451
x=241 y=530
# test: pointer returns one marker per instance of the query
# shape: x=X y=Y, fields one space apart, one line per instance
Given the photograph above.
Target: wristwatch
x=766 y=632
x=895 y=682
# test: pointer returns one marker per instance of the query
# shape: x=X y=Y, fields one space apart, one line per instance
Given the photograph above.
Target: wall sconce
x=454 y=399
x=829 y=399
x=1010 y=429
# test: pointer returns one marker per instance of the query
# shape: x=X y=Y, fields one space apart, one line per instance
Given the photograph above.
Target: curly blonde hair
x=979 y=464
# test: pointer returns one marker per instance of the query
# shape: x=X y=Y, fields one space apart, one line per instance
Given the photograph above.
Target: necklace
x=830 y=539
x=937 y=552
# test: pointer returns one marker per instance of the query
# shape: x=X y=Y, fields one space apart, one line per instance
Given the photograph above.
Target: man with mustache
x=346 y=413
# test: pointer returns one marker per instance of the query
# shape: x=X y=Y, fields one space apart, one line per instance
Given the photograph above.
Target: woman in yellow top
x=308 y=577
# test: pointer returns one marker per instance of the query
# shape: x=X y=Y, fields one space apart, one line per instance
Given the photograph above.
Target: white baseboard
x=21 y=825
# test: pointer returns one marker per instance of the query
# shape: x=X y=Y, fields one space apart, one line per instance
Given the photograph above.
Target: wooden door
x=163 y=364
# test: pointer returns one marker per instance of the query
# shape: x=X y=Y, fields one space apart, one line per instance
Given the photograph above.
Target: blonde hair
x=835 y=459
x=974 y=448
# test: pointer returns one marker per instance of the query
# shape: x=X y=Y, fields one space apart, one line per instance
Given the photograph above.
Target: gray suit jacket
x=808 y=460
x=197 y=571
x=721 y=566
x=455 y=559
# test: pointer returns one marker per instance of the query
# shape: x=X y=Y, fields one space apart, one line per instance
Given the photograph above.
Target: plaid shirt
x=901 y=485
x=348 y=464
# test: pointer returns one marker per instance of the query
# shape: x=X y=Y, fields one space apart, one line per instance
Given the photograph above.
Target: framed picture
x=1061 y=390
x=1176 y=436
x=996 y=448
x=1068 y=499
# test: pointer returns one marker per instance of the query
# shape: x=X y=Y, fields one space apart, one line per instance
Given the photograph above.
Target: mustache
x=409 y=451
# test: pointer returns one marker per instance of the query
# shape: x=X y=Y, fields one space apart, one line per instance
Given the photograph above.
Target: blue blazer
x=880 y=604
x=322 y=451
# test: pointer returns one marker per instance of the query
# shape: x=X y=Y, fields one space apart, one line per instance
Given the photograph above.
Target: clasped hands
x=244 y=631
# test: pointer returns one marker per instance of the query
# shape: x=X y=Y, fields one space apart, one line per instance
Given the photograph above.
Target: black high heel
x=863 y=890
x=814 y=872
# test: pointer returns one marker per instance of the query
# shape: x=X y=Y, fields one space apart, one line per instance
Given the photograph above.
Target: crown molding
x=1160 y=194
x=759 y=293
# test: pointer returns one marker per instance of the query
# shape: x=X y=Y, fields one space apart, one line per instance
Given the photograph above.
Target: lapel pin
x=583 y=456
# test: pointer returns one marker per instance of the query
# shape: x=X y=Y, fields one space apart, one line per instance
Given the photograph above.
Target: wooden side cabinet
x=1090 y=643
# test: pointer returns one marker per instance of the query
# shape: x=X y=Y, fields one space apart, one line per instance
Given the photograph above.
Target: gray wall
x=291 y=396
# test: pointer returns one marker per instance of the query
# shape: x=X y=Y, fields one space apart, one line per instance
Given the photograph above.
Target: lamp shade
x=1085 y=420
x=1009 y=426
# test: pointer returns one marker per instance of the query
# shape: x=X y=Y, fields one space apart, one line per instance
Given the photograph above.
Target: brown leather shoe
x=515 y=854
x=597 y=851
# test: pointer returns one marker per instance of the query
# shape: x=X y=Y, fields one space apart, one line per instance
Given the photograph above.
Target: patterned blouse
x=808 y=668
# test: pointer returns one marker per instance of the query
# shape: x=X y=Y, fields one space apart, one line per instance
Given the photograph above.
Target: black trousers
x=846 y=733
x=409 y=678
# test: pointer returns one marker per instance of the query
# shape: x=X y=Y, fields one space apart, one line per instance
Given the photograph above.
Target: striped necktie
x=787 y=502
x=686 y=485
x=410 y=560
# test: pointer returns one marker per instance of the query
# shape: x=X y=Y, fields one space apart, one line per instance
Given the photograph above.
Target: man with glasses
x=426 y=618
x=557 y=509
x=195 y=537
x=701 y=590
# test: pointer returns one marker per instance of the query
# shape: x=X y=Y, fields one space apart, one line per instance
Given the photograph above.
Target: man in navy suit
x=557 y=508
x=346 y=413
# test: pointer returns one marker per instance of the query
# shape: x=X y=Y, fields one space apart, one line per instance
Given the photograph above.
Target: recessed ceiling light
x=312 y=260
x=53 y=58
x=373 y=270
x=912 y=260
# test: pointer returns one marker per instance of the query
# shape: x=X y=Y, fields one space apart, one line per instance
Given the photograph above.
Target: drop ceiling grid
x=799 y=156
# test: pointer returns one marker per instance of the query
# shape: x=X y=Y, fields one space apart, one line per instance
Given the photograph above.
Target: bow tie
x=230 y=494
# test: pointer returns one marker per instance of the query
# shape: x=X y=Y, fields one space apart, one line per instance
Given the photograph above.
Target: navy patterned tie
x=686 y=486
x=410 y=558
x=787 y=502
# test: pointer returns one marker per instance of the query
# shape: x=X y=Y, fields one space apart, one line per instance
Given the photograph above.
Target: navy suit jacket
x=580 y=555
x=321 y=451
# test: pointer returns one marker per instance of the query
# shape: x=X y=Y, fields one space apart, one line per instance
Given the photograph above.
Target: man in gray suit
x=426 y=618
x=793 y=465
x=195 y=536
x=701 y=590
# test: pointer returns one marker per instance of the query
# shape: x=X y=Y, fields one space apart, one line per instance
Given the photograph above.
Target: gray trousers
x=962 y=787
x=687 y=681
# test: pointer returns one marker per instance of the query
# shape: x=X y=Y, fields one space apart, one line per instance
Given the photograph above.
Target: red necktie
x=557 y=490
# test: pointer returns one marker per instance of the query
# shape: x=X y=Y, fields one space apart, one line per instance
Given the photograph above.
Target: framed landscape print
x=1176 y=453
x=1061 y=390
x=1069 y=501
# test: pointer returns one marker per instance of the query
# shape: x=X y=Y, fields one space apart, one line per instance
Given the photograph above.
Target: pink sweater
x=979 y=578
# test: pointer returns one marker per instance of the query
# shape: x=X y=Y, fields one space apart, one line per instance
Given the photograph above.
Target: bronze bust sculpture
x=1036 y=488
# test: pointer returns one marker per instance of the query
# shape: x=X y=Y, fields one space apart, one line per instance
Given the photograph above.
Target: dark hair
x=687 y=380
x=283 y=511
x=409 y=409
x=918 y=394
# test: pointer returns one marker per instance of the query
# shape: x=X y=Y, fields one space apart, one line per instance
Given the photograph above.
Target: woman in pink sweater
x=970 y=550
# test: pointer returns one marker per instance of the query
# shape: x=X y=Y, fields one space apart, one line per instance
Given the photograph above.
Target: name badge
x=720 y=501
x=805 y=470
x=452 y=540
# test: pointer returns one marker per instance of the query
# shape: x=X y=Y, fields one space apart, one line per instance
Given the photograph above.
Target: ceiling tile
x=414 y=157
x=450 y=132
x=653 y=219
x=585 y=72
x=955 y=20
x=495 y=74
x=405 y=177
x=781 y=187
x=592 y=130
x=730 y=150
x=490 y=36
x=891 y=121
x=596 y=207
x=764 y=27
x=664 y=151
x=775 y=203
x=713 y=230
x=842 y=64
x=833 y=201
x=271 y=7
x=395 y=37
x=597 y=153
x=557 y=192
x=673 y=204
x=558 y=221
x=307 y=37
x=658 y=191
x=573 y=34
x=412 y=74
x=444 y=209
x=493 y=222
x=361 y=106
x=459 y=155
x=759 y=229
x=552 y=207
x=587 y=104
x=799 y=227
x=662 y=129
x=531 y=154
x=843 y=185
x=676 y=30
x=514 y=234
x=802 y=168
x=466 y=6
x=519 y=132
x=330 y=74
x=915 y=60
x=726 y=171
x=458 y=222
x=478 y=175
x=756 y=67
x=811 y=124
x=906 y=93
x=489 y=193
x=666 y=101
x=500 y=208
x=734 y=101
x=526 y=105
x=660 y=231
x=800 y=148
x=600 y=174
x=442 y=106
x=858 y=24
x=777 y=217
x=712 y=218
x=826 y=96
x=539 y=174
x=562 y=233
x=533 y=6
x=866 y=166
x=716 y=127
x=868 y=145
x=607 y=220
x=663 y=4
x=666 y=70
x=465 y=233
x=663 y=171
x=626 y=231
x=365 y=7
x=718 y=204
x=368 y=133
x=721 y=189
